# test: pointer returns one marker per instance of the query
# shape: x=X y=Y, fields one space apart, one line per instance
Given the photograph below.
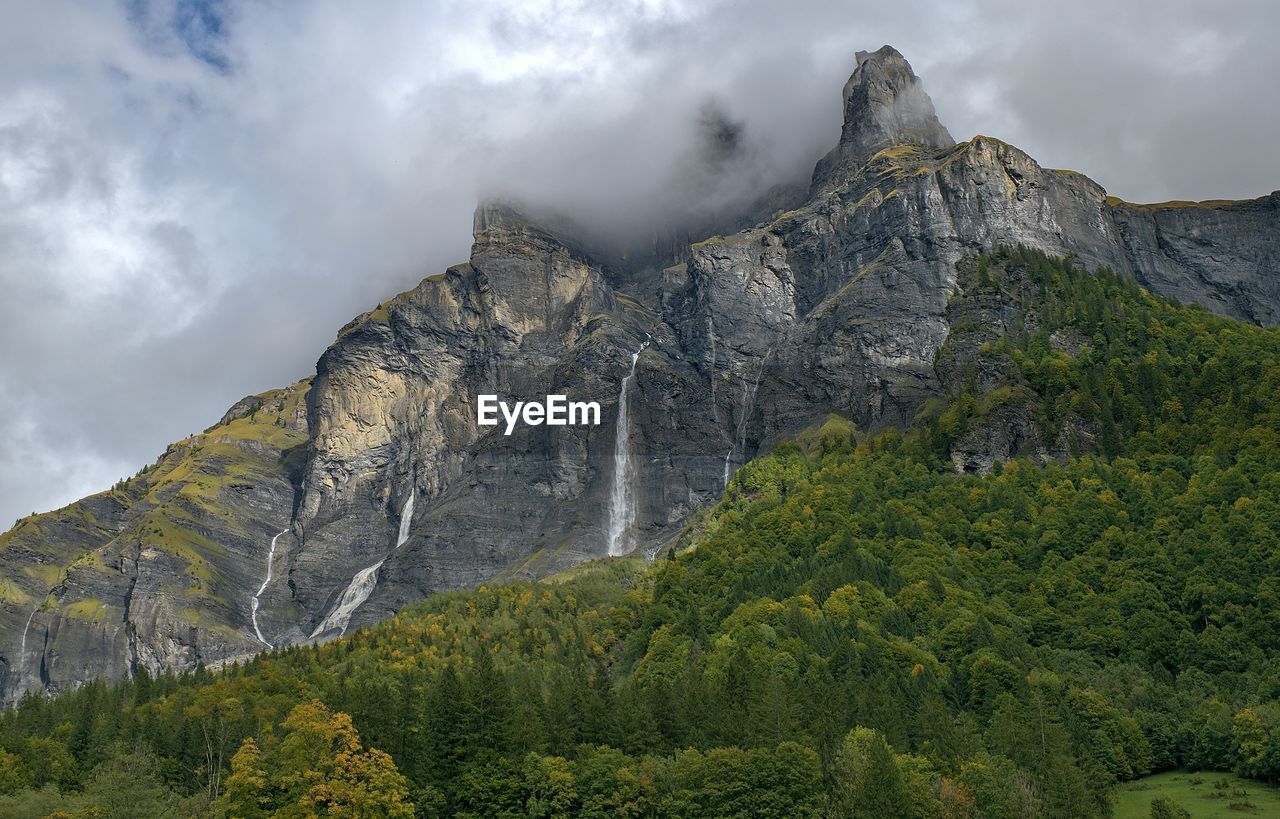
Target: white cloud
x=195 y=195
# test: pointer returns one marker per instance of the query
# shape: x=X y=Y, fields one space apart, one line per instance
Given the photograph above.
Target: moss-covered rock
x=159 y=572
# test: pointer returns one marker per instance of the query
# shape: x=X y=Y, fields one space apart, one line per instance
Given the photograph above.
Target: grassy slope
x=171 y=506
x=1199 y=794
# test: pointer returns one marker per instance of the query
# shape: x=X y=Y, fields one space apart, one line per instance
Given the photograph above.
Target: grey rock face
x=394 y=412
x=159 y=572
x=849 y=303
x=884 y=105
x=1222 y=255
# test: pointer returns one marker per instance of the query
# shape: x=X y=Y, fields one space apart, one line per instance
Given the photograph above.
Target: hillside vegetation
x=854 y=630
x=181 y=511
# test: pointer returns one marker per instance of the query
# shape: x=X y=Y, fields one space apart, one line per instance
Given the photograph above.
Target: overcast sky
x=195 y=196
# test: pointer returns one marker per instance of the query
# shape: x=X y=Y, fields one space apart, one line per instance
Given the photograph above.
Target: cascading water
x=365 y=580
x=715 y=408
x=22 y=651
x=622 y=504
x=356 y=593
x=271 y=556
x=406 y=518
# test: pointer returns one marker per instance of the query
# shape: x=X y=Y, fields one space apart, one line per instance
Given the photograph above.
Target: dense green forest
x=855 y=630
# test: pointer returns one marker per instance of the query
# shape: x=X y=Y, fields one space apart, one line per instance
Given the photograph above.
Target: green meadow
x=1204 y=794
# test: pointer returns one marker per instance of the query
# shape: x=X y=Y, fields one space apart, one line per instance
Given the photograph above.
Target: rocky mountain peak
x=498 y=219
x=885 y=104
x=499 y=225
x=345 y=498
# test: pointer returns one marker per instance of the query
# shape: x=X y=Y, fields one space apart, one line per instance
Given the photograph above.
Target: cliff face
x=885 y=104
x=390 y=491
x=393 y=415
x=160 y=572
x=1222 y=255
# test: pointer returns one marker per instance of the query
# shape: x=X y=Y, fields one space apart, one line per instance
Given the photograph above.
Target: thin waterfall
x=715 y=408
x=271 y=556
x=711 y=340
x=355 y=595
x=749 y=403
x=406 y=518
x=365 y=580
x=22 y=650
x=622 y=503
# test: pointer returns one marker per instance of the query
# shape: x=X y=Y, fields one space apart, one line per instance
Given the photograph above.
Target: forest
x=854 y=630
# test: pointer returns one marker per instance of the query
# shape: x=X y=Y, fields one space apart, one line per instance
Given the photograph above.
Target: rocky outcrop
x=884 y=105
x=849 y=303
x=1008 y=422
x=393 y=412
x=159 y=572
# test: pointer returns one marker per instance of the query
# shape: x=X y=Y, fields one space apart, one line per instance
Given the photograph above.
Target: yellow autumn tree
x=315 y=766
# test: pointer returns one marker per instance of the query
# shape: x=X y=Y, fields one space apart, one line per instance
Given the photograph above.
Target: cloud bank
x=195 y=195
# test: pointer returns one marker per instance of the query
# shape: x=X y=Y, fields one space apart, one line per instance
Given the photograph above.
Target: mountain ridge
x=839 y=305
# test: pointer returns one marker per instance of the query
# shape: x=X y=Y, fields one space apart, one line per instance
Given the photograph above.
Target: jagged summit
x=885 y=104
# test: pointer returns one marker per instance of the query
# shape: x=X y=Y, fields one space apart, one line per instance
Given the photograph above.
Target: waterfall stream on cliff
x=406 y=518
x=271 y=556
x=365 y=580
x=356 y=593
x=622 y=502
x=22 y=649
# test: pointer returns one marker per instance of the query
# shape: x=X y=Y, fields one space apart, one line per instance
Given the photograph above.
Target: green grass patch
x=899 y=153
x=873 y=198
x=13 y=594
x=1204 y=794
x=46 y=574
x=218 y=458
x=90 y=609
x=833 y=427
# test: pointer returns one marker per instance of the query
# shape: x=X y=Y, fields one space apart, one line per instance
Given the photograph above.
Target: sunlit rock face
x=841 y=300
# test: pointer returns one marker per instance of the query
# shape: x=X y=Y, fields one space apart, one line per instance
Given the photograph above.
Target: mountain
x=370 y=486
x=854 y=629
